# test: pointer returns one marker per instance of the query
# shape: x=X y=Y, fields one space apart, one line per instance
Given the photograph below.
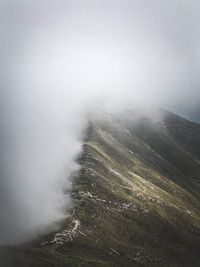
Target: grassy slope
x=136 y=200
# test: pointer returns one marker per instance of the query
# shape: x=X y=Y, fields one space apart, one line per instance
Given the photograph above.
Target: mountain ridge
x=136 y=198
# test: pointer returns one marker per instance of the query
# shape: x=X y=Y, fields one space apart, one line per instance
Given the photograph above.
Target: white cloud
x=63 y=59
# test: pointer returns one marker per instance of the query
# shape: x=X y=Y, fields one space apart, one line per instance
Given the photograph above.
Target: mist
x=65 y=61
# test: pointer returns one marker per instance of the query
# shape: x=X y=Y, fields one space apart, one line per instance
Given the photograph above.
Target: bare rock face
x=136 y=199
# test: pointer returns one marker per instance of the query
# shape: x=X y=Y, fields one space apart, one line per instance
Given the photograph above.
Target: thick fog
x=63 y=60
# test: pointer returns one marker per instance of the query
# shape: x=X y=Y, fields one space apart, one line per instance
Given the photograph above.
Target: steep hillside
x=136 y=199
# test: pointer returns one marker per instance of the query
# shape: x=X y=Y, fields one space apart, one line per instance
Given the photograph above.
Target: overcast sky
x=150 y=48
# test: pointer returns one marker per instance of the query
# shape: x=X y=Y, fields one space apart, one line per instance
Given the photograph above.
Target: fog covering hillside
x=136 y=199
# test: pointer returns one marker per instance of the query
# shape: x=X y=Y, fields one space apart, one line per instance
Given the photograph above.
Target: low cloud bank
x=63 y=60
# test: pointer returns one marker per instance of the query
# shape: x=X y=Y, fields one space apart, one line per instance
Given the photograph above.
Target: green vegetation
x=136 y=199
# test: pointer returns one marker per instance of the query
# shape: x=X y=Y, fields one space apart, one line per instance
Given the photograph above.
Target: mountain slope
x=136 y=199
